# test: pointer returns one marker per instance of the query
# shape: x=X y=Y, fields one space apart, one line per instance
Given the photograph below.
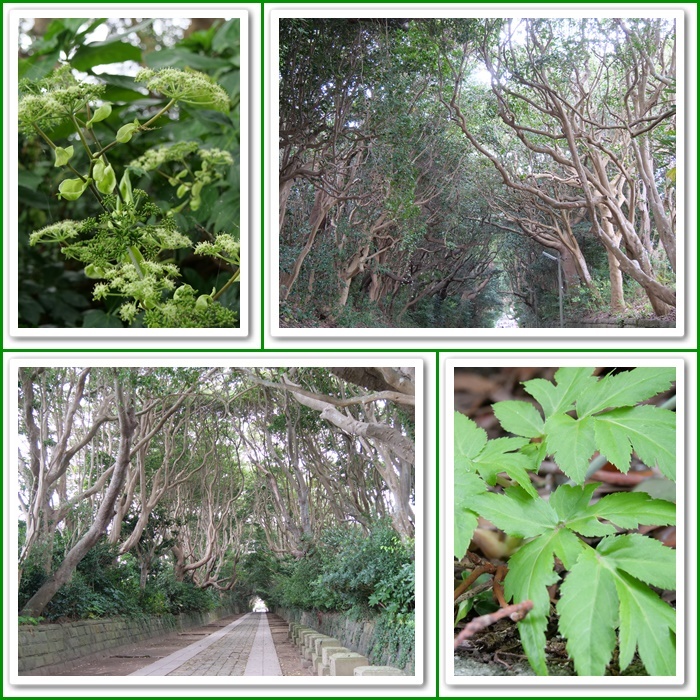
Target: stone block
x=327 y=651
x=309 y=645
x=326 y=641
x=324 y=670
x=377 y=671
x=299 y=632
x=344 y=664
x=303 y=637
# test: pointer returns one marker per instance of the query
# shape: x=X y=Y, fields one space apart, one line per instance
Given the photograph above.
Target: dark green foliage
x=351 y=568
x=54 y=291
x=105 y=585
x=165 y=594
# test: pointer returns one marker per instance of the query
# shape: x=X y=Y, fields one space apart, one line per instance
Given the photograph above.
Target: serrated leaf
x=587 y=612
x=568 y=547
x=572 y=444
x=544 y=392
x=571 y=505
x=651 y=430
x=646 y=624
x=530 y=571
x=642 y=557
x=470 y=439
x=519 y=418
x=570 y=501
x=625 y=389
x=572 y=383
x=630 y=510
x=465 y=524
x=616 y=447
x=467 y=485
x=515 y=512
x=499 y=456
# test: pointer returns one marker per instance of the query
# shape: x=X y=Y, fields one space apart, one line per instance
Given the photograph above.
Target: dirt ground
x=121 y=661
x=291 y=661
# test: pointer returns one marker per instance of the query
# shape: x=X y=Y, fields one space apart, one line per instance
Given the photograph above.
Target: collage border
x=271 y=347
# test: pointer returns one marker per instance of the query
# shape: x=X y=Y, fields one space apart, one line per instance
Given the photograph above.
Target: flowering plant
x=128 y=246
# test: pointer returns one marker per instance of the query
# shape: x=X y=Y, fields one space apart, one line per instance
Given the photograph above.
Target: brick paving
x=244 y=647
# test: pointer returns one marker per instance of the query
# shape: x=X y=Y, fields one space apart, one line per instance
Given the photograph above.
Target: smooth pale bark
x=127 y=426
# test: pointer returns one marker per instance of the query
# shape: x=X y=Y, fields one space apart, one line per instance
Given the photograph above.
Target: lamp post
x=557 y=257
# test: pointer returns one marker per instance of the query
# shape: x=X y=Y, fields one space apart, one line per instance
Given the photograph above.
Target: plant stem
x=109 y=146
x=83 y=140
x=234 y=278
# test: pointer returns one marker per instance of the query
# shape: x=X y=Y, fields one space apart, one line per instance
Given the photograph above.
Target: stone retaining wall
x=356 y=635
x=45 y=649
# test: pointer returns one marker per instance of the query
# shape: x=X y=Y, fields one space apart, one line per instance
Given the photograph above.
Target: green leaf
x=125 y=190
x=126 y=132
x=228 y=36
x=642 y=557
x=99 y=319
x=650 y=430
x=530 y=571
x=107 y=180
x=467 y=485
x=37 y=67
x=587 y=612
x=30 y=180
x=572 y=443
x=571 y=382
x=72 y=189
x=101 y=113
x=63 y=155
x=646 y=624
x=515 y=512
x=568 y=547
x=464 y=607
x=103 y=53
x=519 y=418
x=465 y=524
x=625 y=389
x=616 y=447
x=469 y=438
x=571 y=505
x=630 y=510
x=544 y=392
x=570 y=501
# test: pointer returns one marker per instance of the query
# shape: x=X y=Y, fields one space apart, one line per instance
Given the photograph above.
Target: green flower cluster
x=188 y=86
x=154 y=158
x=213 y=162
x=225 y=247
x=47 y=102
x=185 y=310
x=55 y=233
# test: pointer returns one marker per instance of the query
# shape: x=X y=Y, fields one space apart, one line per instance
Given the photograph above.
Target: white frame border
x=452 y=685
x=424 y=486
x=685 y=284
x=12 y=15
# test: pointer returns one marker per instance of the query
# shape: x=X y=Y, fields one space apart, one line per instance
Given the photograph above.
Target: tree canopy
x=201 y=471
x=426 y=164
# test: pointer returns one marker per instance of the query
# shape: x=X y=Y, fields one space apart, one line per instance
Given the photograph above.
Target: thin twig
x=515 y=612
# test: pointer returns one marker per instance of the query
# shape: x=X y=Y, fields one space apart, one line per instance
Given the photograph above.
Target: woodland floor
x=496 y=650
x=123 y=660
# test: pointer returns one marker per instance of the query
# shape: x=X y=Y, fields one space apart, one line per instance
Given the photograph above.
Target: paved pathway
x=243 y=648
